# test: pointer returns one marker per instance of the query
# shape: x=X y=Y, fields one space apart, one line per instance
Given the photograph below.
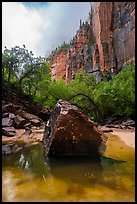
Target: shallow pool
x=28 y=176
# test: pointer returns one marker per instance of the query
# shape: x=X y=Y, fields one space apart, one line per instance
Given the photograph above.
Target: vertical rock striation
x=59 y=65
x=103 y=44
x=124 y=32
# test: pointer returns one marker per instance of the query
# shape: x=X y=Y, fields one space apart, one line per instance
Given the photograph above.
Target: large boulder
x=70 y=132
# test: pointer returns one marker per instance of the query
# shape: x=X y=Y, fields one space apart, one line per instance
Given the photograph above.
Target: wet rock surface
x=23 y=138
x=70 y=132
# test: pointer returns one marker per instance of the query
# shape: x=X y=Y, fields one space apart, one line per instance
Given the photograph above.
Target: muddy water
x=28 y=176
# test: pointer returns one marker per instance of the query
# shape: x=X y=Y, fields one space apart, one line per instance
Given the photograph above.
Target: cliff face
x=66 y=62
x=124 y=32
x=79 y=54
x=101 y=23
x=102 y=45
x=59 y=65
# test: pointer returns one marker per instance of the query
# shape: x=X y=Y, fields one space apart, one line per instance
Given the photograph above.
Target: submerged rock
x=10 y=148
x=70 y=132
x=6 y=149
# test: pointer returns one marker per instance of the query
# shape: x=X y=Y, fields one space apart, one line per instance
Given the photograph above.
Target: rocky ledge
x=20 y=127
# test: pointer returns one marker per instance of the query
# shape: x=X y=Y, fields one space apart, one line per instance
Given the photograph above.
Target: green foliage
x=91 y=37
x=82 y=88
x=22 y=68
x=64 y=46
x=16 y=61
x=117 y=96
x=97 y=100
x=34 y=82
x=55 y=91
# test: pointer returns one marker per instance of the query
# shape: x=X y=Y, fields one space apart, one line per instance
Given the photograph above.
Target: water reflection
x=29 y=176
x=82 y=170
x=110 y=172
x=77 y=169
x=116 y=174
x=30 y=160
x=8 y=186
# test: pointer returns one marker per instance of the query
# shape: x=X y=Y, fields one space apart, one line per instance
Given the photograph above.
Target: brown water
x=28 y=176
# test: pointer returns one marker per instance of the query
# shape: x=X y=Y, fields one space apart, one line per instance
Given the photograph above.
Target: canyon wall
x=102 y=45
x=124 y=32
x=59 y=64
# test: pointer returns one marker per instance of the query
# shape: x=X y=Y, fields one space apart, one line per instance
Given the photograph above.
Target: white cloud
x=41 y=30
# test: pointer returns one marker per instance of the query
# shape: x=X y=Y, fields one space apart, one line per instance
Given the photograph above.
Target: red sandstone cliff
x=103 y=44
x=124 y=32
x=59 y=65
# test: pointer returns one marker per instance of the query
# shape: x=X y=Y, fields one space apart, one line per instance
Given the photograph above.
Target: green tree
x=20 y=66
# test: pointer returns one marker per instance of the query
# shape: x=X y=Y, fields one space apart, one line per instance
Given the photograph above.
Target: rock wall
x=101 y=24
x=59 y=65
x=124 y=32
x=79 y=54
x=103 y=44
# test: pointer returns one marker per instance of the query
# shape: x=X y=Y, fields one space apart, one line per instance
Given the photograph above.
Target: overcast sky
x=41 y=26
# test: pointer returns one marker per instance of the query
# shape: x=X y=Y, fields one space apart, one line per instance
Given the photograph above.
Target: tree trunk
x=9 y=75
x=3 y=72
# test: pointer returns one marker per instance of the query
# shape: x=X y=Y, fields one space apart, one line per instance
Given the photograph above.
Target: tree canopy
x=20 y=66
x=96 y=99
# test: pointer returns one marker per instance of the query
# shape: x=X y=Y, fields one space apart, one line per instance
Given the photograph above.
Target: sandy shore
x=35 y=136
x=126 y=135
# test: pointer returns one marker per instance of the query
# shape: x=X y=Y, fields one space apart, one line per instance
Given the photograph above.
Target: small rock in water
x=6 y=149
